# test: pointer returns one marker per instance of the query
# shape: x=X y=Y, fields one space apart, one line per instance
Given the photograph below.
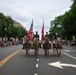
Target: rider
x=36 y=35
x=24 y=40
x=58 y=40
x=57 y=37
x=47 y=35
x=36 y=43
x=25 y=36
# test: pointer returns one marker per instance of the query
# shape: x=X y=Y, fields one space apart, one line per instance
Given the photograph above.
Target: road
x=13 y=61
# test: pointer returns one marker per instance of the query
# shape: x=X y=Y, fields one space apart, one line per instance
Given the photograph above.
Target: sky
x=24 y=11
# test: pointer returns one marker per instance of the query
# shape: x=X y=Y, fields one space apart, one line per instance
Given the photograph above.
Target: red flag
x=42 y=33
x=30 y=32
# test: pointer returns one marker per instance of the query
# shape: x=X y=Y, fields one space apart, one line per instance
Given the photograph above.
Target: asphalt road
x=13 y=61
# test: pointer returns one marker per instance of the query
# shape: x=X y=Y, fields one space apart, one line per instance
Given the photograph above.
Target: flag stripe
x=30 y=32
x=42 y=33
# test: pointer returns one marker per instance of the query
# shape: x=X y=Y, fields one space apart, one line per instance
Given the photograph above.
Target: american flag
x=30 y=32
x=42 y=33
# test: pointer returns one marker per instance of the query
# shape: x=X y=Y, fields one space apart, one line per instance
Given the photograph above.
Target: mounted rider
x=58 y=40
x=57 y=37
x=36 y=43
x=36 y=36
x=47 y=36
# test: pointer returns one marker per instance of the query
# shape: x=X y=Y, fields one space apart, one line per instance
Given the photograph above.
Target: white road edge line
x=37 y=65
x=69 y=55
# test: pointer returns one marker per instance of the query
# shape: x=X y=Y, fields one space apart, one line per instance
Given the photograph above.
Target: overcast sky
x=24 y=11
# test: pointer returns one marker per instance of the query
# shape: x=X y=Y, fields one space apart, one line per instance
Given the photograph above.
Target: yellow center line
x=7 y=58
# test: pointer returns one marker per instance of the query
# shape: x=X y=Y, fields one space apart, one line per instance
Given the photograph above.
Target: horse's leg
x=53 y=49
x=45 y=52
x=36 y=53
x=48 y=51
x=59 y=50
x=35 y=50
x=56 y=47
x=26 y=51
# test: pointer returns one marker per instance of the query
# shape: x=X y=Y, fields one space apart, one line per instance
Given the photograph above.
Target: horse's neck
x=58 y=39
x=46 y=40
x=36 y=42
x=27 y=40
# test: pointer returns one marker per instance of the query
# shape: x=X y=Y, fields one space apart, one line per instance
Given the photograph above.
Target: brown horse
x=46 y=46
x=58 y=47
x=36 y=46
x=27 y=45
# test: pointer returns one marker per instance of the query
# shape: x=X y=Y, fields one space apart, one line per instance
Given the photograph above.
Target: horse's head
x=46 y=39
x=36 y=41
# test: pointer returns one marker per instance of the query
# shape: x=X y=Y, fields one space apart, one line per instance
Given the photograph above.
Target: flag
x=42 y=32
x=30 y=32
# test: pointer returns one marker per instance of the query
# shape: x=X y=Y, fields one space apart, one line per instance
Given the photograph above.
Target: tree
x=17 y=32
x=73 y=12
x=2 y=25
x=56 y=26
x=6 y=22
x=67 y=23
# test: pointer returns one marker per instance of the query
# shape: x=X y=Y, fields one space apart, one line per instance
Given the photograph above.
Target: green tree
x=73 y=12
x=5 y=22
x=17 y=32
x=69 y=21
x=56 y=26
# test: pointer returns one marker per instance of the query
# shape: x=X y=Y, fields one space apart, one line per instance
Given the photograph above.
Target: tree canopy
x=65 y=24
x=6 y=22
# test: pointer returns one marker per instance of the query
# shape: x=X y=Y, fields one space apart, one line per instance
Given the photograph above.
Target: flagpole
x=32 y=30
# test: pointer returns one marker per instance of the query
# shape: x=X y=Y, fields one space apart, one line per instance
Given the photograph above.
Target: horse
x=58 y=46
x=27 y=45
x=36 y=46
x=46 y=45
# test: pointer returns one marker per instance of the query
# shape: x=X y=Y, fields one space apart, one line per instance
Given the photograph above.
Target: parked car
x=14 y=43
x=72 y=43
